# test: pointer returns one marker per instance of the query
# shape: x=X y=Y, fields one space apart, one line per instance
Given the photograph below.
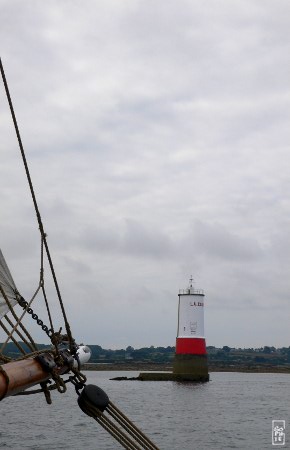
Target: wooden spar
x=17 y=376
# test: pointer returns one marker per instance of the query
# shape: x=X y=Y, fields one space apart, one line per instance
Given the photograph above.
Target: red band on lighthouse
x=190 y=346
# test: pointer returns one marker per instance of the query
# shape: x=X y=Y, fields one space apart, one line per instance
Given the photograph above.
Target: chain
x=78 y=380
x=23 y=303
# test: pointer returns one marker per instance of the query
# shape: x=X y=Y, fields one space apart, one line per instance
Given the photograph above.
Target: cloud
x=139 y=240
x=215 y=241
x=157 y=140
x=130 y=238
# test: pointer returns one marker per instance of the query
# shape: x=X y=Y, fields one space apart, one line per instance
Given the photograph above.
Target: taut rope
x=92 y=400
x=41 y=229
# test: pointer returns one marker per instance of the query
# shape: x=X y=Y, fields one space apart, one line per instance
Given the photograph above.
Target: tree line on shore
x=224 y=355
x=218 y=356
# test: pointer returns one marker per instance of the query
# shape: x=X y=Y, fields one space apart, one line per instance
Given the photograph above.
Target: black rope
x=41 y=229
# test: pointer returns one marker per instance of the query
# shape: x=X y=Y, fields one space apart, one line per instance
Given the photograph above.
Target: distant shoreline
x=135 y=367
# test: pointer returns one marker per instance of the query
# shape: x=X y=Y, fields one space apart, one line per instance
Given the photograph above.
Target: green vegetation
x=145 y=354
x=12 y=350
x=248 y=358
x=225 y=357
x=216 y=356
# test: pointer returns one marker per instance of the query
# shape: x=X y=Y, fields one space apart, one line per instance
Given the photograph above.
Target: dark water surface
x=233 y=410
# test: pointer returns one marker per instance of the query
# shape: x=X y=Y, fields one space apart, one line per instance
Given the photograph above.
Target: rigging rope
x=13 y=339
x=18 y=319
x=56 y=338
x=43 y=290
x=121 y=428
x=41 y=229
x=30 y=346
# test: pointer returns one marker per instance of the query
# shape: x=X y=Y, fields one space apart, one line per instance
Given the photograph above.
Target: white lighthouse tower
x=190 y=354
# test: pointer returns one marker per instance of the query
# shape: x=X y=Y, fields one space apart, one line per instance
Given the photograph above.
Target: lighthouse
x=190 y=361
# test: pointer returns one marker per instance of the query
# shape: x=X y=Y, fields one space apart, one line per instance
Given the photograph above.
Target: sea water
x=232 y=411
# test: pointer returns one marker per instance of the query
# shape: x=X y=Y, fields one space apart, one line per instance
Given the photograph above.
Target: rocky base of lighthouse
x=194 y=365
x=170 y=376
x=192 y=368
x=186 y=368
x=166 y=376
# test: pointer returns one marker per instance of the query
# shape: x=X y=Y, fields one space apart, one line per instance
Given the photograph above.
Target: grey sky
x=157 y=135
